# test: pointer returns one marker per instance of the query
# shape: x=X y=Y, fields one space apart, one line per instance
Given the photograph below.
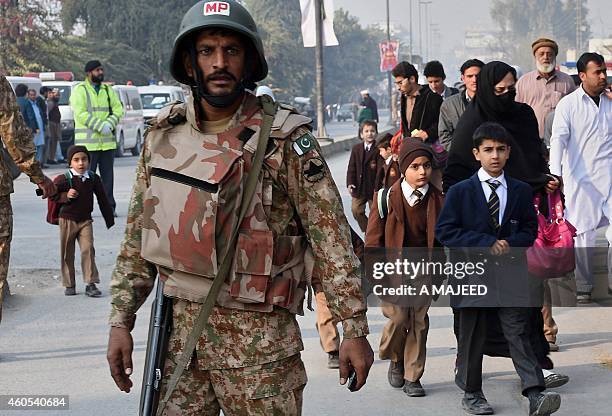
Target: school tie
x=419 y=196
x=493 y=202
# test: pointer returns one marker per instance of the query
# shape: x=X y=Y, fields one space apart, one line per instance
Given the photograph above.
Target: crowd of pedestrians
x=512 y=141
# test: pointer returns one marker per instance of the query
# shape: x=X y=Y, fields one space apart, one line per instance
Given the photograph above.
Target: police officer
x=17 y=143
x=97 y=110
x=184 y=207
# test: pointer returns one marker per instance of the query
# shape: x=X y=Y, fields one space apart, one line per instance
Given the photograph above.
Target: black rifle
x=160 y=327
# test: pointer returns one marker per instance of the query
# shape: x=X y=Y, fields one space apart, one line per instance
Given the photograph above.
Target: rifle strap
x=269 y=108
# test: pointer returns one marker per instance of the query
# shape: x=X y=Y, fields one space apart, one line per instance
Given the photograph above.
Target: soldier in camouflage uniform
x=184 y=206
x=17 y=140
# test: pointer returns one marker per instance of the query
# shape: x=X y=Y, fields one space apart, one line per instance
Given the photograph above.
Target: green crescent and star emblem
x=314 y=169
x=304 y=144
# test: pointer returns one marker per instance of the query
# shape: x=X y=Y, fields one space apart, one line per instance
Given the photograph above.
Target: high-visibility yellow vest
x=91 y=110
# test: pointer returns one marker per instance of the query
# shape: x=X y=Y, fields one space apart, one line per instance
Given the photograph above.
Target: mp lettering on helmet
x=216 y=7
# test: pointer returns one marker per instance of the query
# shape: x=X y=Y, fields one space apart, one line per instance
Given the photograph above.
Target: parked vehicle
x=31 y=82
x=345 y=112
x=67 y=122
x=131 y=126
x=155 y=97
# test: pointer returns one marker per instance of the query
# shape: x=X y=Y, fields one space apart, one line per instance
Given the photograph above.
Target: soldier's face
x=221 y=58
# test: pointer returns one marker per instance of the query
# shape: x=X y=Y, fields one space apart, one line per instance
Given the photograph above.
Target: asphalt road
x=52 y=344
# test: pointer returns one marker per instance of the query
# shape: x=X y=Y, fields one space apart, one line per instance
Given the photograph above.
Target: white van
x=131 y=126
x=67 y=123
x=32 y=83
x=154 y=97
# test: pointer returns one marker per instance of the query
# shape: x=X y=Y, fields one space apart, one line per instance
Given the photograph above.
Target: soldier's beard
x=546 y=68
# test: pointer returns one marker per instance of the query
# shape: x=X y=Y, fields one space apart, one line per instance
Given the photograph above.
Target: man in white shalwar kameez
x=581 y=152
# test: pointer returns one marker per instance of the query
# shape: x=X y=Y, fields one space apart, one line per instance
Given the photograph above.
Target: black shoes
x=70 y=291
x=554 y=380
x=333 y=360
x=583 y=298
x=395 y=374
x=414 y=389
x=92 y=291
x=476 y=403
x=544 y=404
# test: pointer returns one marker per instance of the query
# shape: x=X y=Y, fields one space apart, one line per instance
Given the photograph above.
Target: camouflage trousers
x=6 y=233
x=274 y=388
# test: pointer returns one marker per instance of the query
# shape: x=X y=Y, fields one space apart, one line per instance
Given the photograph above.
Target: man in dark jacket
x=452 y=108
x=434 y=72
x=420 y=106
x=25 y=107
x=54 y=131
x=370 y=103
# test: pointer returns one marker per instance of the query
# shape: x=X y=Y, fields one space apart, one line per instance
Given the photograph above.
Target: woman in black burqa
x=526 y=163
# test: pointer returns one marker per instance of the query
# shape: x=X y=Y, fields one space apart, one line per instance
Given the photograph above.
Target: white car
x=130 y=129
x=155 y=97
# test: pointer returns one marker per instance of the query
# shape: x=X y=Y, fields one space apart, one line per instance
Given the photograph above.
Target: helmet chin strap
x=200 y=90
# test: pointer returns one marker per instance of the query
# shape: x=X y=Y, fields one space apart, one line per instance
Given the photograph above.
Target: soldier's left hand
x=48 y=187
x=355 y=353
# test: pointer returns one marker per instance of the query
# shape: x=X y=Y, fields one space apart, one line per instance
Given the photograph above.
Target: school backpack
x=382 y=199
x=53 y=206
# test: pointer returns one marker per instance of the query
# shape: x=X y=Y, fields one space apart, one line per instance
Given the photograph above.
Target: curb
x=344 y=143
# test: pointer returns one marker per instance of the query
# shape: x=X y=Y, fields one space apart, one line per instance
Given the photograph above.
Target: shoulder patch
x=304 y=144
x=313 y=169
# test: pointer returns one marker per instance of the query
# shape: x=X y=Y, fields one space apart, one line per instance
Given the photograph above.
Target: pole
x=410 y=47
x=423 y=54
x=321 y=132
x=420 y=33
x=389 y=84
x=578 y=27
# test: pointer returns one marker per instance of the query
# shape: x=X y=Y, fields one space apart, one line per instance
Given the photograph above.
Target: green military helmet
x=227 y=14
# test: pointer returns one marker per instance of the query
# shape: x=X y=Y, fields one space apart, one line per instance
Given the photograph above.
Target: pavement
x=52 y=344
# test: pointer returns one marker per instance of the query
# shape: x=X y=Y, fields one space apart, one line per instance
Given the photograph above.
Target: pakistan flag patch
x=304 y=144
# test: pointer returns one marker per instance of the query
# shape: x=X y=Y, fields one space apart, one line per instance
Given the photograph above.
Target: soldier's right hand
x=47 y=187
x=119 y=356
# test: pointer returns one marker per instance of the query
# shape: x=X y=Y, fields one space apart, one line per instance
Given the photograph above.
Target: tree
x=27 y=38
x=348 y=67
x=523 y=21
x=151 y=34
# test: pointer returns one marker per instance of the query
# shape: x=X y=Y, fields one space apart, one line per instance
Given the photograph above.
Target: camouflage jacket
x=304 y=201
x=17 y=139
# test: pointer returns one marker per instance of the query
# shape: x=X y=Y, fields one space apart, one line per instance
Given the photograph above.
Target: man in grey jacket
x=453 y=107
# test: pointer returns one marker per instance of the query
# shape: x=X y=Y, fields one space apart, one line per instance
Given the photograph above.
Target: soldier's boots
x=70 y=291
x=333 y=360
x=414 y=389
x=92 y=291
x=395 y=374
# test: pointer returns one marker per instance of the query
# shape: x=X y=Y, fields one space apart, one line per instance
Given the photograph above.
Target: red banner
x=389 y=55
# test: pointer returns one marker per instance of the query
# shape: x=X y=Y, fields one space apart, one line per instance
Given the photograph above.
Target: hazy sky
x=454 y=17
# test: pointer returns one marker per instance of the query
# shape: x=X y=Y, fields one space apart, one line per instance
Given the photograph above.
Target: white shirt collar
x=367 y=145
x=84 y=176
x=389 y=160
x=408 y=192
x=484 y=177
